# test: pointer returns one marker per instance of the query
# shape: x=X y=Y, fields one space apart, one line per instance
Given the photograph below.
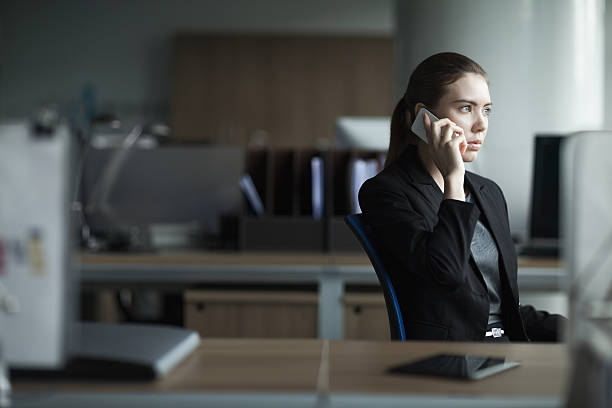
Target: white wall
x=608 y=66
x=50 y=49
x=545 y=61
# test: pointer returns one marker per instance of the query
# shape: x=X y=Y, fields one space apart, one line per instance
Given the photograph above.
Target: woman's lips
x=475 y=145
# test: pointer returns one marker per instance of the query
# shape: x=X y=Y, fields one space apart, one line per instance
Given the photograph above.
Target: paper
x=359 y=171
x=316 y=169
x=251 y=194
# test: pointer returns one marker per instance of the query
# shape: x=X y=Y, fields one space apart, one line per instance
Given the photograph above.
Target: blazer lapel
x=493 y=217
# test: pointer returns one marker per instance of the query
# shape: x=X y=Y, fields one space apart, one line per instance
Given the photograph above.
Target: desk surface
x=338 y=367
x=258 y=258
x=187 y=267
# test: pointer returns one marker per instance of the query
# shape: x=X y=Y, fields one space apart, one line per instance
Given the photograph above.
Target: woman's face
x=468 y=104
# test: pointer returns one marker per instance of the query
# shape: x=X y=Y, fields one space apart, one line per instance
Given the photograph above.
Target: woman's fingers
x=463 y=146
x=444 y=131
x=450 y=133
x=436 y=129
x=446 y=144
x=459 y=142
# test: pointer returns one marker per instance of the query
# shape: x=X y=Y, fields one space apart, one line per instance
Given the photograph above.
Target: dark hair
x=427 y=84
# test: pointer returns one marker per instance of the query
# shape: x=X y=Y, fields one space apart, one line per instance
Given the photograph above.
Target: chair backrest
x=362 y=231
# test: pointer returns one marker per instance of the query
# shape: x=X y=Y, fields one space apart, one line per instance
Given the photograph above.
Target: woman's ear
x=417 y=108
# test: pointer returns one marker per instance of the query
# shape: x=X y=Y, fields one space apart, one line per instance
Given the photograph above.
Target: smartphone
x=460 y=366
x=418 y=128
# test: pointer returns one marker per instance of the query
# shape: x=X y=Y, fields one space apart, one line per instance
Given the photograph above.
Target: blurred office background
x=137 y=61
x=546 y=59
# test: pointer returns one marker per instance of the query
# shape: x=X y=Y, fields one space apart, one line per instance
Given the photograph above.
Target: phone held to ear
x=418 y=128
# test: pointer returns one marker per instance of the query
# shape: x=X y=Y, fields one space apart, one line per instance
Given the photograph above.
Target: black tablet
x=463 y=366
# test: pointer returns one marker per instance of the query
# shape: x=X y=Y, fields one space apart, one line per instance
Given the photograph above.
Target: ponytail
x=401 y=135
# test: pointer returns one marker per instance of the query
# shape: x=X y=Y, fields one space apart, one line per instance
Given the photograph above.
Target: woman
x=443 y=232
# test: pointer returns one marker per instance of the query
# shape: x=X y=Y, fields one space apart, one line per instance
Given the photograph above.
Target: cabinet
x=365 y=317
x=255 y=314
x=280 y=314
x=280 y=90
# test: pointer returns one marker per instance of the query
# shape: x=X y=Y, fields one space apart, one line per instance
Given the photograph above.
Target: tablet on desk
x=461 y=366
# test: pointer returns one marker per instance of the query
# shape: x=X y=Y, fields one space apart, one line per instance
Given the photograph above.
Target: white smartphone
x=418 y=128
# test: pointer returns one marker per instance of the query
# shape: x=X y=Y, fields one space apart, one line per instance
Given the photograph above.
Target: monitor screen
x=544 y=217
x=167 y=185
x=363 y=132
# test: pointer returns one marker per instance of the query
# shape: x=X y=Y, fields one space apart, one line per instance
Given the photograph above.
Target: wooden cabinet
x=255 y=314
x=365 y=317
x=276 y=90
x=280 y=314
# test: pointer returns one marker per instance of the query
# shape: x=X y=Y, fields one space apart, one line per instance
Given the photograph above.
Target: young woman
x=442 y=231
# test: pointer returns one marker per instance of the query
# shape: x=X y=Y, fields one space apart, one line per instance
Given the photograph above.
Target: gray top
x=484 y=251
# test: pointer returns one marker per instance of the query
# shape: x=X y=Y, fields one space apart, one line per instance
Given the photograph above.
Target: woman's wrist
x=453 y=188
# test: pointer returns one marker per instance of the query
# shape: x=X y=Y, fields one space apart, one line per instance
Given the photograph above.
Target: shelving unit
x=283 y=179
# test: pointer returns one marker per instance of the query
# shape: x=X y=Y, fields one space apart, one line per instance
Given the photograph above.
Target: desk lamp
x=117 y=235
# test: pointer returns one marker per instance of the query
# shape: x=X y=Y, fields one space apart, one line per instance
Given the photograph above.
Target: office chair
x=363 y=232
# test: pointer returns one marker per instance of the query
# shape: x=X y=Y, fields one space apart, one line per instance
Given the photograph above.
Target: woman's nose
x=480 y=124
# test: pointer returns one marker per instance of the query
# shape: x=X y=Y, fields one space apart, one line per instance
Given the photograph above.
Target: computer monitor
x=162 y=189
x=363 y=132
x=544 y=214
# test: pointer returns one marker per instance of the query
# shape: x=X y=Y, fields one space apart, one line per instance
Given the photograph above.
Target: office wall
x=50 y=49
x=608 y=65
x=545 y=61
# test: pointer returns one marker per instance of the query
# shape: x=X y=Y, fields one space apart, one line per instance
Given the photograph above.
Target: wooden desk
x=331 y=272
x=337 y=371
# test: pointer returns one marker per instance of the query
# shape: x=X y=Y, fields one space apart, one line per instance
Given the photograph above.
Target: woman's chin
x=469 y=156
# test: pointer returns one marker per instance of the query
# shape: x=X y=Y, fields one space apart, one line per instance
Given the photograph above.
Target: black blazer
x=425 y=243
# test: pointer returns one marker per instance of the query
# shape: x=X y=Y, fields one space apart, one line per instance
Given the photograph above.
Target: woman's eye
x=465 y=108
x=487 y=111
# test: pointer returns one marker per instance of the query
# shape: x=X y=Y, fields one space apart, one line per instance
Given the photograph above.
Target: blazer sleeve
x=543 y=326
x=437 y=253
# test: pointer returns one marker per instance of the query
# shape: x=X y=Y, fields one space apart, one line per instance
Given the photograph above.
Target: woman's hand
x=446 y=145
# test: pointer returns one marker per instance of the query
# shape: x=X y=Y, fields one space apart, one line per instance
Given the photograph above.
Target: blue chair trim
x=396 y=321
